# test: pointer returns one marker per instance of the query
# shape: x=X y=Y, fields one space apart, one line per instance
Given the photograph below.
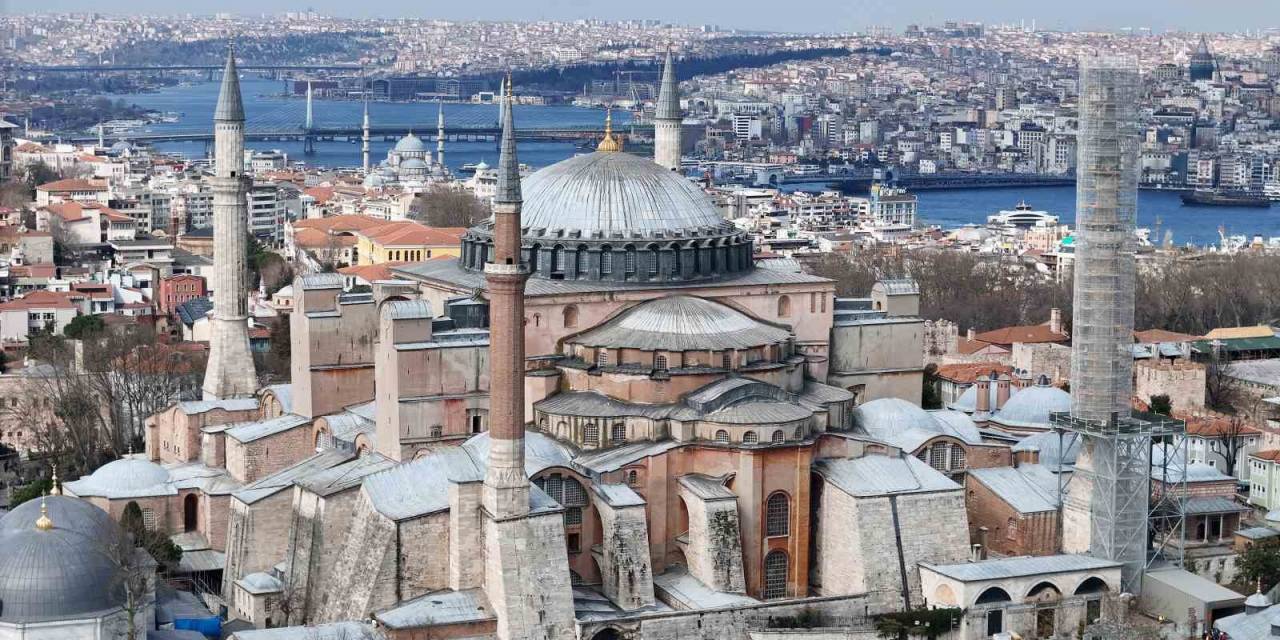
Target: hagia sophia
x=603 y=420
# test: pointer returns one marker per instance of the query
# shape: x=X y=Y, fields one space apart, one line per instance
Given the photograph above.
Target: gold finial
x=55 y=489
x=609 y=144
x=44 y=523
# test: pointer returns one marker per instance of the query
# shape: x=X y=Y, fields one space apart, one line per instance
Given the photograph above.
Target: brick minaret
x=666 y=119
x=506 y=487
x=230 y=373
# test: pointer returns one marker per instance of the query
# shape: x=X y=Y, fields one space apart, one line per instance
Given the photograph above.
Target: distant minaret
x=503 y=90
x=666 y=119
x=364 y=136
x=230 y=372
x=102 y=142
x=506 y=487
x=440 y=135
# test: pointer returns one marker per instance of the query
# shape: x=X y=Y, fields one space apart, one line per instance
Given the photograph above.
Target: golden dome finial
x=44 y=523
x=55 y=489
x=609 y=144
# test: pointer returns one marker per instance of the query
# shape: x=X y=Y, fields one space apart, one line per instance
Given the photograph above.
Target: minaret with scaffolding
x=1107 y=508
x=440 y=135
x=364 y=136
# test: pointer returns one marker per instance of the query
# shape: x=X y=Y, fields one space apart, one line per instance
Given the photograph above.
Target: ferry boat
x=1226 y=199
x=1022 y=215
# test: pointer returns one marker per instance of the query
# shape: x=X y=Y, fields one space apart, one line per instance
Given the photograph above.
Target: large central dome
x=615 y=193
x=617 y=217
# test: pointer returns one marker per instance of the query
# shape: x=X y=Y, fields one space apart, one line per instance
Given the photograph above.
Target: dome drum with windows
x=614 y=216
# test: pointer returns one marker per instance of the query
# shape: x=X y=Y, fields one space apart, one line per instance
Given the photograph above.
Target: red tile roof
x=73 y=184
x=968 y=372
x=1152 y=336
x=1032 y=333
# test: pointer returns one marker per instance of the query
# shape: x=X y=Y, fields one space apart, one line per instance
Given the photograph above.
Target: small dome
x=1030 y=407
x=482 y=166
x=968 y=401
x=615 y=193
x=682 y=323
x=413 y=163
x=887 y=415
x=410 y=144
x=61 y=573
x=126 y=477
x=1257 y=601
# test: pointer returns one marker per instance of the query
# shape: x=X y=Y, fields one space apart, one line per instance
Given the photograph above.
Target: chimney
x=982 y=543
x=1055 y=320
x=983 y=401
x=971 y=334
x=1026 y=455
x=1002 y=390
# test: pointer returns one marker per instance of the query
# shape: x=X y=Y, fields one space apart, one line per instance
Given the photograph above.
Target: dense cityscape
x=330 y=328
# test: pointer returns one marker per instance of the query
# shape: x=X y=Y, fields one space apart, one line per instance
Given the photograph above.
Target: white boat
x=1022 y=216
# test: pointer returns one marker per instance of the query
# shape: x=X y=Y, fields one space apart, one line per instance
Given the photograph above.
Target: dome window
x=660 y=362
x=722 y=436
x=750 y=437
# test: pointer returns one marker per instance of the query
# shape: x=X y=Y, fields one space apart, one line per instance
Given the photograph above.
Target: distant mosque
x=409 y=165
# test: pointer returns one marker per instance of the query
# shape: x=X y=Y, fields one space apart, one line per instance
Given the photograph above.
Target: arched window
x=190 y=512
x=618 y=433
x=533 y=257
x=778 y=437
x=993 y=595
x=629 y=260
x=957 y=458
x=726 y=360
x=633 y=478
x=775 y=575
x=602 y=357
x=784 y=307
x=777 y=518
x=722 y=436
x=557 y=259
x=653 y=261
x=660 y=362
x=570 y=316
x=437 y=431
x=750 y=437
x=606 y=260
x=582 y=261
x=537 y=319
x=675 y=260
x=799 y=435
x=938 y=456
x=568 y=493
x=591 y=433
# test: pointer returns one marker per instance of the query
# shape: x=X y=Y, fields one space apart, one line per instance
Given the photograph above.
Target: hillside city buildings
x=621 y=404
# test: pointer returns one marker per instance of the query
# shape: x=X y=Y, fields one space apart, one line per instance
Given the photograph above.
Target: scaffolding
x=1129 y=519
x=1108 y=511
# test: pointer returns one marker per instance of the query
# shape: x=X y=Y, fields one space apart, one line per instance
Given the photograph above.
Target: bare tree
x=446 y=207
x=134 y=579
x=1231 y=440
x=1219 y=382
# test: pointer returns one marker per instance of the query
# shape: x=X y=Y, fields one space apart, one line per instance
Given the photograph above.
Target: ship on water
x=1022 y=215
x=1222 y=198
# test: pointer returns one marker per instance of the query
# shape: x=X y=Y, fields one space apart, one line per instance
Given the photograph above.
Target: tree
x=1260 y=564
x=1230 y=435
x=30 y=492
x=929 y=397
x=135 y=571
x=1220 y=384
x=14 y=194
x=443 y=206
x=1162 y=405
x=83 y=327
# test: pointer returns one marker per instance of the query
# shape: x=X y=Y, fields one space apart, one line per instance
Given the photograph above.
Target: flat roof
x=999 y=569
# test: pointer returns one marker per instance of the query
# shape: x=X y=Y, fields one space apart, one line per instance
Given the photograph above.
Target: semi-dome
x=615 y=193
x=410 y=144
x=124 y=478
x=413 y=163
x=682 y=323
x=615 y=216
x=907 y=426
x=60 y=571
x=1030 y=407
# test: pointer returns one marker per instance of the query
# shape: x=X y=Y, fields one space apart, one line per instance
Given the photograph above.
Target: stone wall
x=713 y=549
x=626 y=572
x=251 y=461
x=1183 y=382
x=257 y=537
x=364 y=575
x=423 y=564
x=1047 y=358
x=1034 y=534
x=527 y=577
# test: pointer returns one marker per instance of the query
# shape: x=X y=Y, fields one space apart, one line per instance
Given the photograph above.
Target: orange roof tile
x=1270 y=454
x=1152 y=336
x=968 y=372
x=1027 y=334
x=372 y=272
x=73 y=184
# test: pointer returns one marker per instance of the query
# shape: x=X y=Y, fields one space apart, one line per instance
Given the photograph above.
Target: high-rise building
x=230 y=372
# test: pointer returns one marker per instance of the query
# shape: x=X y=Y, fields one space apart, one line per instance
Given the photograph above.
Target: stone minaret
x=666 y=119
x=364 y=137
x=230 y=373
x=506 y=487
x=526 y=575
x=440 y=135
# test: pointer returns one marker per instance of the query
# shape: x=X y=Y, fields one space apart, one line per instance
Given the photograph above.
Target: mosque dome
x=1030 y=407
x=907 y=426
x=610 y=193
x=58 y=569
x=124 y=478
x=682 y=323
x=410 y=144
x=890 y=414
x=611 y=215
